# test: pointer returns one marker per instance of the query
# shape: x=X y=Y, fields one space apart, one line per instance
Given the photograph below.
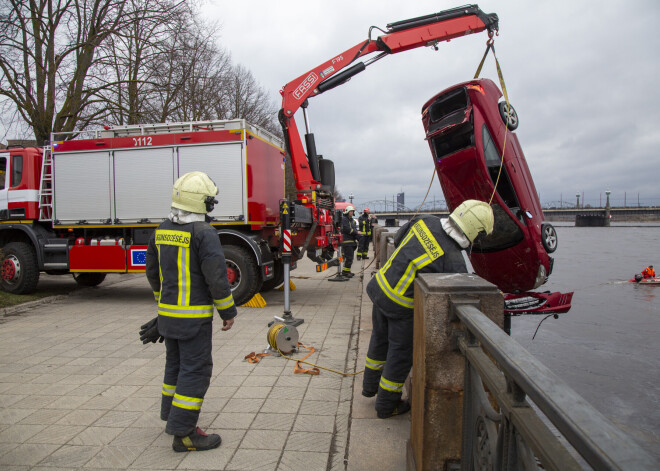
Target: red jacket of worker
x=648 y=272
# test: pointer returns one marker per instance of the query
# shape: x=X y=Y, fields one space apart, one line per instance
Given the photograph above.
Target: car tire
x=548 y=237
x=20 y=272
x=89 y=279
x=505 y=109
x=242 y=273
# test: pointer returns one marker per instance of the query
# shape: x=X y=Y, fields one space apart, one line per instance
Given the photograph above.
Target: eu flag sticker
x=139 y=257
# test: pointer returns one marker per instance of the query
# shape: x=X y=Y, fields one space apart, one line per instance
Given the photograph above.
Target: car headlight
x=541 y=276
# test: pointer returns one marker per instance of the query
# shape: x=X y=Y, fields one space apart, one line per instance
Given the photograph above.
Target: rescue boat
x=646 y=281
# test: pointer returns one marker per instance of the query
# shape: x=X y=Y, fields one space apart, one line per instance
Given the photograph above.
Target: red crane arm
x=401 y=36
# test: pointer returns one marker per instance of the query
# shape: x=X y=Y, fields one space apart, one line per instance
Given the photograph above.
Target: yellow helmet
x=194 y=192
x=473 y=217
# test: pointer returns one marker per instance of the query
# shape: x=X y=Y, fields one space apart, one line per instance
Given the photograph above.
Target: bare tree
x=248 y=100
x=46 y=50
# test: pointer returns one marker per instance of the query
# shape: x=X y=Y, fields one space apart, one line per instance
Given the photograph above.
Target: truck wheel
x=89 y=279
x=277 y=279
x=242 y=273
x=20 y=272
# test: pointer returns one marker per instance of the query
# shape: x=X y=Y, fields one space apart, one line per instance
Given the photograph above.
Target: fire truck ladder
x=46 y=187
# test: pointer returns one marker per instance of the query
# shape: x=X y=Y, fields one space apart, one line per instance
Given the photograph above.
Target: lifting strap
x=490 y=45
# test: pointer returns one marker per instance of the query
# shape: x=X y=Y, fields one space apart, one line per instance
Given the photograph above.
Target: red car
x=465 y=127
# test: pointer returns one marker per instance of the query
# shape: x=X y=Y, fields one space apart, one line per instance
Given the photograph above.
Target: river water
x=607 y=347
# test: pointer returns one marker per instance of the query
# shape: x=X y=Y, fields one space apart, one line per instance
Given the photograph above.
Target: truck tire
x=89 y=279
x=20 y=272
x=276 y=280
x=242 y=273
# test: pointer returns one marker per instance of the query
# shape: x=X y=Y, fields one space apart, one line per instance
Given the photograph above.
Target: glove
x=149 y=332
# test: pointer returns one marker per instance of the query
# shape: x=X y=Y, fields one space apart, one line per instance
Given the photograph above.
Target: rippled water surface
x=607 y=347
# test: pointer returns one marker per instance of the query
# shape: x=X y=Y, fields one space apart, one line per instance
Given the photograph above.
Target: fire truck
x=87 y=206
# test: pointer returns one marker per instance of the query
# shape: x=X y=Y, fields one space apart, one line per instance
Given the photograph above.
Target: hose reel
x=282 y=338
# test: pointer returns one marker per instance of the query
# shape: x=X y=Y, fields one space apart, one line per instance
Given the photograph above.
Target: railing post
x=438 y=365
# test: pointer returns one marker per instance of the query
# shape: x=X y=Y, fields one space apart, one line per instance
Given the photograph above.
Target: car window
x=505 y=189
x=506 y=233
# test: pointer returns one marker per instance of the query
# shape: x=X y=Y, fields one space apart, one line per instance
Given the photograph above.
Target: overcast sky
x=582 y=75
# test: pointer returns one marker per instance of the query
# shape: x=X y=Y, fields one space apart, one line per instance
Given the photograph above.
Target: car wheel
x=507 y=109
x=242 y=273
x=548 y=237
x=89 y=279
x=20 y=272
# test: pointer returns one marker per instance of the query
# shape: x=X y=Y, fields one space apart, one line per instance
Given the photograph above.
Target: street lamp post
x=350 y=197
x=577 y=195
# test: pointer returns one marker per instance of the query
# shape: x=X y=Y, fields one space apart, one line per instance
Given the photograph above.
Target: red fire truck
x=87 y=206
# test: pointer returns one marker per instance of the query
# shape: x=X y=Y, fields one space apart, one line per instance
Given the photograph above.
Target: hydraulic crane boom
x=400 y=36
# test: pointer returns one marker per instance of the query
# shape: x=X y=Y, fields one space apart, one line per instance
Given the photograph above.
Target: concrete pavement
x=78 y=390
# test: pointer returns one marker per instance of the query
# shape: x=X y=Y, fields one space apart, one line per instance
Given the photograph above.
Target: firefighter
x=186 y=269
x=426 y=244
x=349 y=231
x=648 y=272
x=364 y=227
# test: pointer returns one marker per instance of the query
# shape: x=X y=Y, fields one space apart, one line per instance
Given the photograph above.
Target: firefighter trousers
x=188 y=368
x=363 y=248
x=389 y=358
x=348 y=251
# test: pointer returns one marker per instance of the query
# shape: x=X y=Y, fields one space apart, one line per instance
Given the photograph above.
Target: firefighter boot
x=401 y=408
x=196 y=441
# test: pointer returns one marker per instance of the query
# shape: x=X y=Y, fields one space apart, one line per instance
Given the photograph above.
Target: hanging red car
x=477 y=157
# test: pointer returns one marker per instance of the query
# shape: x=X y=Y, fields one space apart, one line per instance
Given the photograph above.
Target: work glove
x=149 y=332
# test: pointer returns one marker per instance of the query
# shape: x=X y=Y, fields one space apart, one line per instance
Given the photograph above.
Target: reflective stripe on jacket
x=365 y=224
x=425 y=248
x=187 y=271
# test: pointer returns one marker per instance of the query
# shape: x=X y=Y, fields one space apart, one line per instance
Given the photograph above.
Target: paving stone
x=27 y=454
x=13 y=416
x=70 y=456
x=238 y=420
x=57 y=434
x=19 y=433
x=264 y=439
x=120 y=419
x=243 y=405
x=269 y=421
x=309 y=441
x=215 y=459
x=314 y=423
x=303 y=460
x=254 y=460
x=310 y=407
x=114 y=457
x=95 y=436
x=254 y=392
x=158 y=459
x=281 y=406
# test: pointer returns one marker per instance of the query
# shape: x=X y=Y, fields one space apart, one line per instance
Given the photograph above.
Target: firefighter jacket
x=186 y=269
x=349 y=230
x=422 y=246
x=365 y=224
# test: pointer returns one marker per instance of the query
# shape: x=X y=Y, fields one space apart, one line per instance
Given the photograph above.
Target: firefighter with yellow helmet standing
x=187 y=272
x=426 y=244
x=365 y=224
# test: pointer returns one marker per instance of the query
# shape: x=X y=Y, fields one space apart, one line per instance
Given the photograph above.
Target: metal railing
x=512 y=435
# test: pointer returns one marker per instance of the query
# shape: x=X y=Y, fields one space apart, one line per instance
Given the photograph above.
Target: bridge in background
x=629 y=214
